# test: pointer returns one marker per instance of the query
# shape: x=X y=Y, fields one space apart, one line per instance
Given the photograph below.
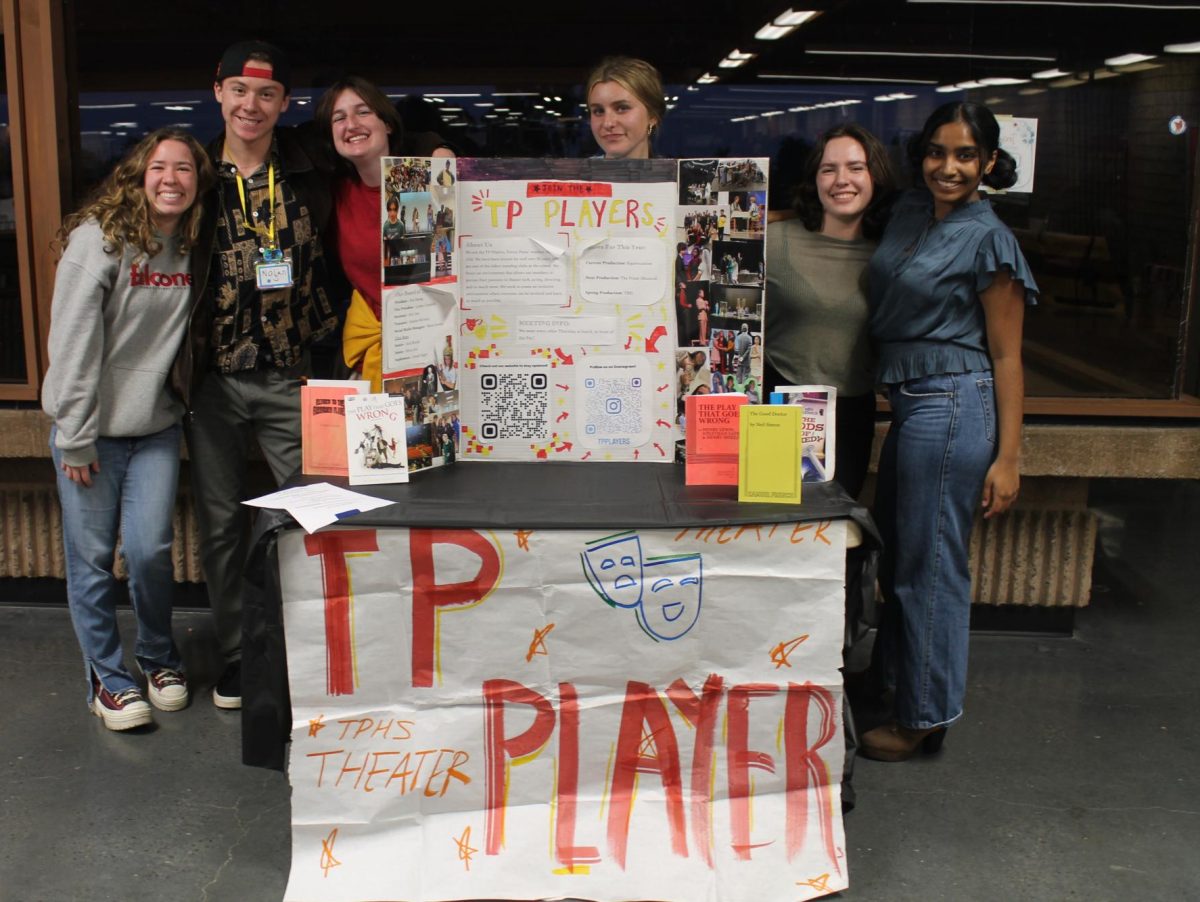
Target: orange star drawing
x=649 y=746
x=779 y=654
x=465 y=850
x=328 y=861
x=523 y=538
x=538 y=645
x=820 y=884
x=316 y=725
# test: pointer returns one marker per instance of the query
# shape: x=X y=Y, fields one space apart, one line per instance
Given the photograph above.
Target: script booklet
x=323 y=424
x=771 y=447
x=712 y=438
x=820 y=433
x=375 y=439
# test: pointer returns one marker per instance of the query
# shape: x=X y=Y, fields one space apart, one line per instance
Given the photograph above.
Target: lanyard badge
x=272 y=269
x=271 y=274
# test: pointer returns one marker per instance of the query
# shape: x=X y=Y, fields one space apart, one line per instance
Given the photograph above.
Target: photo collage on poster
x=418 y=201
x=719 y=277
x=418 y=220
x=430 y=416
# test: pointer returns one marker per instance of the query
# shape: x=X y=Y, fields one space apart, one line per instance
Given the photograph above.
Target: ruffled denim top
x=924 y=285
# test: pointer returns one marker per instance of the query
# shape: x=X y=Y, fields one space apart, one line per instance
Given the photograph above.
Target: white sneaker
x=122 y=711
x=227 y=694
x=167 y=689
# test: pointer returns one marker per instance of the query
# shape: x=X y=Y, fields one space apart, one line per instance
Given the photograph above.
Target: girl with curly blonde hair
x=122 y=296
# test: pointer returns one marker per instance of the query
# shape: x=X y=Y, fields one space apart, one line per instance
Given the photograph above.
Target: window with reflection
x=1105 y=227
x=12 y=348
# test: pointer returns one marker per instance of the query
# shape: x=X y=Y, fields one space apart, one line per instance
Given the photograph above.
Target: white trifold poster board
x=649 y=714
x=566 y=332
x=561 y=309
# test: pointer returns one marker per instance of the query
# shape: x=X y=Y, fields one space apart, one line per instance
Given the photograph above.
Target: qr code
x=614 y=405
x=514 y=404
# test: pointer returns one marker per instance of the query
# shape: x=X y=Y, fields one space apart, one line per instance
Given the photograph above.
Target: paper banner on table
x=527 y=714
x=562 y=260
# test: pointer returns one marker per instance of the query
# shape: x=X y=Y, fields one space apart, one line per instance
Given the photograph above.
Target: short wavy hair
x=372 y=97
x=883 y=181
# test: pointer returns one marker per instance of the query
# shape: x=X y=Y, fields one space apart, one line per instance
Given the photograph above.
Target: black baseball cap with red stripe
x=256 y=59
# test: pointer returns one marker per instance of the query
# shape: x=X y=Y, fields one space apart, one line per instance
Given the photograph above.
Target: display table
x=517 y=626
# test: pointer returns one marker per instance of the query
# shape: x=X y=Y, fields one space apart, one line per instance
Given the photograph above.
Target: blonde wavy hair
x=122 y=210
x=637 y=77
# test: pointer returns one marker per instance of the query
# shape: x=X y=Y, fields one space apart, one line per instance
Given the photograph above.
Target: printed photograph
x=736 y=354
x=416 y=212
x=692 y=375
x=443 y=252
x=693 y=261
x=406 y=260
x=444 y=177
x=732 y=304
x=697 y=181
x=747 y=213
x=702 y=223
x=405 y=175
x=738 y=263
x=733 y=175
x=693 y=311
x=420 y=446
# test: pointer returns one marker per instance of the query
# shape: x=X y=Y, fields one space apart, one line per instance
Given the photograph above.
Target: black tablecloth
x=544 y=495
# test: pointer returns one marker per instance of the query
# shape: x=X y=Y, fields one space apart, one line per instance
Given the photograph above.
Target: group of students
x=924 y=295
x=196 y=281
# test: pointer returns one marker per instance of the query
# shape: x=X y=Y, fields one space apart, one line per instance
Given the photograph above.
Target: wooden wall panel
x=36 y=67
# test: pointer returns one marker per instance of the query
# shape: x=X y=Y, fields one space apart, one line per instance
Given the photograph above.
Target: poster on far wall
x=1018 y=135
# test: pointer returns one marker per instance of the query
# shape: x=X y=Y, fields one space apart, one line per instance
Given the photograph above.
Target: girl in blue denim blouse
x=948 y=287
x=120 y=308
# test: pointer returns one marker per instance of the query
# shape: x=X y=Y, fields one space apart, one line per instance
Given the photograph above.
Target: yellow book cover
x=772 y=448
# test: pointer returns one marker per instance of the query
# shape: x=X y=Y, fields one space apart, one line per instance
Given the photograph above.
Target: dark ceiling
x=541 y=46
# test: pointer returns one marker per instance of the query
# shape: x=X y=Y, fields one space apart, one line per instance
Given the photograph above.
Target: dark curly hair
x=984 y=129
x=808 y=204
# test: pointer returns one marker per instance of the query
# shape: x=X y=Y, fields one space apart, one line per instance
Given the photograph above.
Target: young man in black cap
x=260 y=300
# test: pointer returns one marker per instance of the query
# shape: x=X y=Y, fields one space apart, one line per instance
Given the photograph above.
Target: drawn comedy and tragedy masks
x=617 y=571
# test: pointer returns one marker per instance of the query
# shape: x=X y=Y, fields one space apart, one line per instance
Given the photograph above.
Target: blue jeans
x=931 y=471
x=134 y=492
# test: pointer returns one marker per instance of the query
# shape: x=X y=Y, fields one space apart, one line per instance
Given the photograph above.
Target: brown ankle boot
x=893 y=742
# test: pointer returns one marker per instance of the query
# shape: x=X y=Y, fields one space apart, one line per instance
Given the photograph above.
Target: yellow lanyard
x=268 y=231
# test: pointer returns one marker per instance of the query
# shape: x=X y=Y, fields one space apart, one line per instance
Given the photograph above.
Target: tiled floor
x=1072 y=775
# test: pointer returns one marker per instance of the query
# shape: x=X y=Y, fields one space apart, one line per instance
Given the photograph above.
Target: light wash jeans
x=931 y=471
x=134 y=492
